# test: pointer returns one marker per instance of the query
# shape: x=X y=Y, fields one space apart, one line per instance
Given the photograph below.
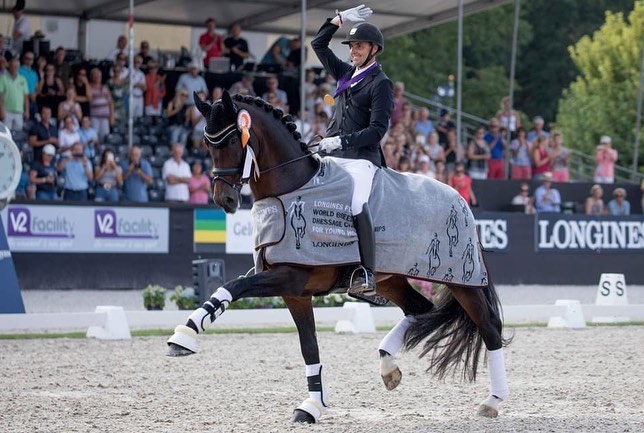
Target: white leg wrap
x=313 y=408
x=498 y=379
x=202 y=318
x=393 y=341
x=185 y=337
x=315 y=405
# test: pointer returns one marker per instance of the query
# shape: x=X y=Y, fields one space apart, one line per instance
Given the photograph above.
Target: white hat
x=49 y=149
x=195 y=64
x=605 y=139
x=423 y=158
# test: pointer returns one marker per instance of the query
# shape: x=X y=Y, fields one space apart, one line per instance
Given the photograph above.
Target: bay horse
x=250 y=140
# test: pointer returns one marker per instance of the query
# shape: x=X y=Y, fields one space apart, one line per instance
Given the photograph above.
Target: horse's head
x=223 y=135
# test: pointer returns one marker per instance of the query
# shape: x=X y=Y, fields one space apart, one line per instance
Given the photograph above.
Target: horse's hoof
x=392 y=379
x=301 y=416
x=176 y=350
x=487 y=411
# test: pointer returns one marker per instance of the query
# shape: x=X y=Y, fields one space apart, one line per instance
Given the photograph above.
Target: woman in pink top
x=540 y=157
x=199 y=185
x=605 y=157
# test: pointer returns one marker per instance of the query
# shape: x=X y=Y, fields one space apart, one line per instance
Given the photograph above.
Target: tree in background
x=602 y=99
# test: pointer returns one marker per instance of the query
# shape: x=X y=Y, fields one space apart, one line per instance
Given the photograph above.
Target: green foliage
x=335 y=300
x=602 y=99
x=184 y=298
x=154 y=297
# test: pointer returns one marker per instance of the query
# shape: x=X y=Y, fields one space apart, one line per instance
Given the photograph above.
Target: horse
x=251 y=141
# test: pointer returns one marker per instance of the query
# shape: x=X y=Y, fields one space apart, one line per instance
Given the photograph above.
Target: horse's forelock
x=219 y=118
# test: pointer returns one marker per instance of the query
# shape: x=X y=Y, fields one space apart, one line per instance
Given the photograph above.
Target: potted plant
x=184 y=298
x=154 y=297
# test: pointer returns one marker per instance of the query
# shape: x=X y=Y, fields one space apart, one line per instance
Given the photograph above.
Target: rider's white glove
x=356 y=14
x=330 y=145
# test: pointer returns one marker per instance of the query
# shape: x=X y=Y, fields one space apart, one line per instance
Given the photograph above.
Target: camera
x=110 y=157
x=137 y=165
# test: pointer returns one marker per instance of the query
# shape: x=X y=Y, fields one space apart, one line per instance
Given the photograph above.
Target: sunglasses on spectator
x=524 y=190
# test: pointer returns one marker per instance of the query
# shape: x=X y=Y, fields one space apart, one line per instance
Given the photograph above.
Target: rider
x=363 y=105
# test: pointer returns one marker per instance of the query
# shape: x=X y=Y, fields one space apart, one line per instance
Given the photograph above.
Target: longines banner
x=580 y=233
x=85 y=229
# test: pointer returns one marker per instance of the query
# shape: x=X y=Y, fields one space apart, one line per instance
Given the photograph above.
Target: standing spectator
x=399 y=100
x=444 y=125
x=32 y=78
x=70 y=107
x=121 y=60
x=198 y=123
x=121 y=48
x=560 y=157
x=434 y=150
x=452 y=151
x=67 y=136
x=109 y=177
x=216 y=94
x=88 y=137
x=521 y=161
x=199 y=185
x=277 y=53
x=101 y=107
x=236 y=47
x=43 y=174
x=243 y=86
x=271 y=84
x=594 y=205
x=43 y=133
x=41 y=64
x=619 y=205
x=14 y=92
x=5 y=51
x=423 y=125
x=310 y=90
x=192 y=82
x=118 y=90
x=154 y=90
x=538 y=130
x=144 y=52
x=63 y=68
x=463 y=184
x=540 y=157
x=50 y=89
x=210 y=42
x=294 y=58
x=177 y=115
x=82 y=90
x=524 y=199
x=605 y=157
x=423 y=167
x=496 y=143
x=441 y=173
x=508 y=119
x=138 y=87
x=21 y=27
x=177 y=176
x=478 y=154
x=546 y=198
x=137 y=175
x=77 y=172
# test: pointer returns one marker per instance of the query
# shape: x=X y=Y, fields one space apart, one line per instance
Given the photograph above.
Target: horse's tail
x=452 y=340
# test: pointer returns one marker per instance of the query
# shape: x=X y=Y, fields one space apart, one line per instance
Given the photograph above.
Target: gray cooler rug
x=424 y=228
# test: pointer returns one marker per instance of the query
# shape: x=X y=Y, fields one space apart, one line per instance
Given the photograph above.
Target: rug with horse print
x=424 y=229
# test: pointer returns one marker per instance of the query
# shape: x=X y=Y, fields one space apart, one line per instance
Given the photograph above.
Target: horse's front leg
x=278 y=281
x=311 y=409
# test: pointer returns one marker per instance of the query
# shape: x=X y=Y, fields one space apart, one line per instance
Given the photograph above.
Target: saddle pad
x=424 y=229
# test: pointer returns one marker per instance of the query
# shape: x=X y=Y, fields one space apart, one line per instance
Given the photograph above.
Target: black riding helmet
x=366 y=32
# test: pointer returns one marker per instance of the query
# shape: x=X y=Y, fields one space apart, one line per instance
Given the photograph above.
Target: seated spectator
x=109 y=177
x=177 y=115
x=198 y=123
x=294 y=58
x=463 y=184
x=101 y=107
x=124 y=71
x=540 y=157
x=243 y=86
x=43 y=174
x=441 y=173
x=67 y=136
x=399 y=101
x=423 y=167
x=119 y=92
x=137 y=175
x=619 y=205
x=521 y=160
x=605 y=157
x=32 y=78
x=121 y=48
x=277 y=53
x=154 y=90
x=144 y=52
x=404 y=166
x=560 y=157
x=478 y=155
x=15 y=97
x=538 y=130
x=524 y=199
x=192 y=82
x=211 y=42
x=138 y=87
x=275 y=96
x=43 y=133
x=509 y=119
x=434 y=150
x=199 y=185
x=407 y=118
x=546 y=198
x=76 y=169
x=177 y=175
x=391 y=153
x=236 y=47
x=88 y=138
x=63 y=68
x=82 y=90
x=496 y=143
x=50 y=90
x=70 y=107
x=594 y=205
x=423 y=126
x=310 y=90
x=216 y=94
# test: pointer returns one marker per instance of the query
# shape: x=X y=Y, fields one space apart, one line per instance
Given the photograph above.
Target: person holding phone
x=109 y=177
x=76 y=170
x=137 y=176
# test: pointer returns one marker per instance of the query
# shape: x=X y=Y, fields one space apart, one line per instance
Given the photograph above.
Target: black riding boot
x=363 y=281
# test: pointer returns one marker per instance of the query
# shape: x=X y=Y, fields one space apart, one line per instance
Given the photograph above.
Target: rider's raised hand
x=330 y=145
x=356 y=14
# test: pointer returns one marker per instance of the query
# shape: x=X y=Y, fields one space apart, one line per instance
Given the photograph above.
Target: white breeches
x=362 y=172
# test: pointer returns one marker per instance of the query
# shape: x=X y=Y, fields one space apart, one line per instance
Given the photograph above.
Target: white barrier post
x=362 y=320
x=115 y=326
x=573 y=316
x=611 y=291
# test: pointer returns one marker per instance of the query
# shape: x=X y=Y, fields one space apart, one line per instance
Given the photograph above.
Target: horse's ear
x=203 y=107
x=229 y=105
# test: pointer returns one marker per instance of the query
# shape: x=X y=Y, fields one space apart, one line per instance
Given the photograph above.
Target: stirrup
x=362 y=283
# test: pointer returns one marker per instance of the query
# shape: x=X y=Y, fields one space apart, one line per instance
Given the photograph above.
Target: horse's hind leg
x=400 y=292
x=480 y=307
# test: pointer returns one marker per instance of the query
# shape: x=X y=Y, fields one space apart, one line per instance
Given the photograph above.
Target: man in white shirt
x=138 y=87
x=176 y=174
x=21 y=28
x=121 y=48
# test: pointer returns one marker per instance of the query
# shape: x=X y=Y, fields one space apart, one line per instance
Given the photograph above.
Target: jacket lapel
x=368 y=79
